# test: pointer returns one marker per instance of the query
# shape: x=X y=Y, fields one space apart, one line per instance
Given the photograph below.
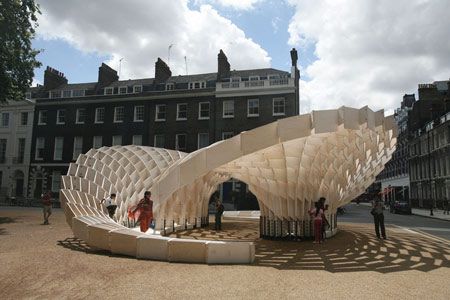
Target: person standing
x=110 y=206
x=317 y=215
x=47 y=206
x=219 y=212
x=145 y=209
x=378 y=217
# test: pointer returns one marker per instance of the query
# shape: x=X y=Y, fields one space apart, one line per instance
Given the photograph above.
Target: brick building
x=174 y=112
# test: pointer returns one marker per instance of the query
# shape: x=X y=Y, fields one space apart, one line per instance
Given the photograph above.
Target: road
x=361 y=214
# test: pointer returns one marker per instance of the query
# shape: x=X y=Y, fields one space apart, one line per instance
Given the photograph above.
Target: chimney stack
x=53 y=78
x=162 y=71
x=223 y=66
x=106 y=76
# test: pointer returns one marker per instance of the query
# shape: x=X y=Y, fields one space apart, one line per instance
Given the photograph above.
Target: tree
x=17 y=58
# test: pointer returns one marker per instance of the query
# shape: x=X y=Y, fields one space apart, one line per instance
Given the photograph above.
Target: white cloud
x=140 y=31
x=370 y=52
x=235 y=4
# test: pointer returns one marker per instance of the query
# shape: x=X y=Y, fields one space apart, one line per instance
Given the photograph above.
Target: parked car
x=402 y=207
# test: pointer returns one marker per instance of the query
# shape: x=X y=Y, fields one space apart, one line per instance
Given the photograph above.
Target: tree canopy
x=17 y=57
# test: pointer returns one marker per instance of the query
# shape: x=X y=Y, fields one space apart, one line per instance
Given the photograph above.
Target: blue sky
x=351 y=52
x=266 y=25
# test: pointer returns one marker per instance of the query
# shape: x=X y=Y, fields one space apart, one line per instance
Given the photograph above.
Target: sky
x=351 y=52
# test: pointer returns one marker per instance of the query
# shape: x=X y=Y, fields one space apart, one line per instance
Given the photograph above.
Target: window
x=117 y=140
x=139 y=113
x=118 y=114
x=197 y=85
x=56 y=181
x=274 y=76
x=5 y=119
x=159 y=141
x=181 y=111
x=28 y=95
x=42 y=117
x=278 y=107
x=99 y=115
x=57 y=154
x=40 y=145
x=24 y=118
x=137 y=89
x=78 y=93
x=228 y=109
x=67 y=94
x=160 y=112
x=253 y=78
x=203 y=110
x=170 y=86
x=180 y=141
x=3 y=150
x=55 y=94
x=252 y=107
x=123 y=90
x=20 y=150
x=77 y=146
x=61 y=116
x=109 y=91
x=203 y=140
x=81 y=116
x=97 y=142
x=137 y=140
x=227 y=135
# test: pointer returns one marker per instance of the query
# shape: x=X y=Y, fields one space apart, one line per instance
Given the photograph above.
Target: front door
x=19 y=187
x=38 y=188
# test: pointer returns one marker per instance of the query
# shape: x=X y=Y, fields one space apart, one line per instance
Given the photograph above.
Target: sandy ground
x=46 y=262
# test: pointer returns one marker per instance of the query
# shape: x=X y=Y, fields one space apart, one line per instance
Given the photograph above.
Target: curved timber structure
x=287 y=165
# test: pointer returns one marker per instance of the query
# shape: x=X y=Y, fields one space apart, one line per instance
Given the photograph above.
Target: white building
x=16 y=127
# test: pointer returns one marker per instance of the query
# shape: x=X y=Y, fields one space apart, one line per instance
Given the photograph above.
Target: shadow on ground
x=80 y=245
x=354 y=248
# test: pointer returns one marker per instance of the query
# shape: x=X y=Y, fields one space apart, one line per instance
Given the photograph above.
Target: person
x=47 y=205
x=325 y=222
x=219 y=212
x=145 y=209
x=317 y=215
x=110 y=206
x=378 y=217
x=447 y=208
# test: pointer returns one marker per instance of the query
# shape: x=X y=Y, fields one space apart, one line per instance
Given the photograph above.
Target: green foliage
x=17 y=57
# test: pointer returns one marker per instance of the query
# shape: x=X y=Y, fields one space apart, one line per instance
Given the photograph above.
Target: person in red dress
x=145 y=210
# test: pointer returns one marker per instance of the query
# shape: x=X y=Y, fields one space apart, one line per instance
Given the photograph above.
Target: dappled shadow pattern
x=80 y=245
x=5 y=220
x=356 y=248
x=232 y=230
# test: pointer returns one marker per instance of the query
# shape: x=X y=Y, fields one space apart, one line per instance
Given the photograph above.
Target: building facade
x=429 y=146
x=394 y=179
x=175 y=112
x=16 y=124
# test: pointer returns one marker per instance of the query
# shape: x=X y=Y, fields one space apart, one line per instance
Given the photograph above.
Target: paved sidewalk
x=437 y=213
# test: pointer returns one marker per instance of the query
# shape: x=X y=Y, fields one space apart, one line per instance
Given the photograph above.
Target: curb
x=430 y=217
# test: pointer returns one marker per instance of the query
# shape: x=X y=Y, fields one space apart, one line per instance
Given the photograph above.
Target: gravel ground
x=46 y=262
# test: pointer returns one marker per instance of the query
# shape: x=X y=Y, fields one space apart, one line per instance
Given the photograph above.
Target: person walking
x=47 y=206
x=145 y=210
x=317 y=215
x=447 y=208
x=378 y=217
x=109 y=204
x=219 y=212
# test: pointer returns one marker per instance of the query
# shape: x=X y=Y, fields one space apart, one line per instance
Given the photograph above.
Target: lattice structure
x=287 y=164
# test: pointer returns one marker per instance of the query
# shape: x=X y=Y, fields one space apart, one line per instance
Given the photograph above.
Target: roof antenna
x=185 y=62
x=120 y=65
x=168 y=53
